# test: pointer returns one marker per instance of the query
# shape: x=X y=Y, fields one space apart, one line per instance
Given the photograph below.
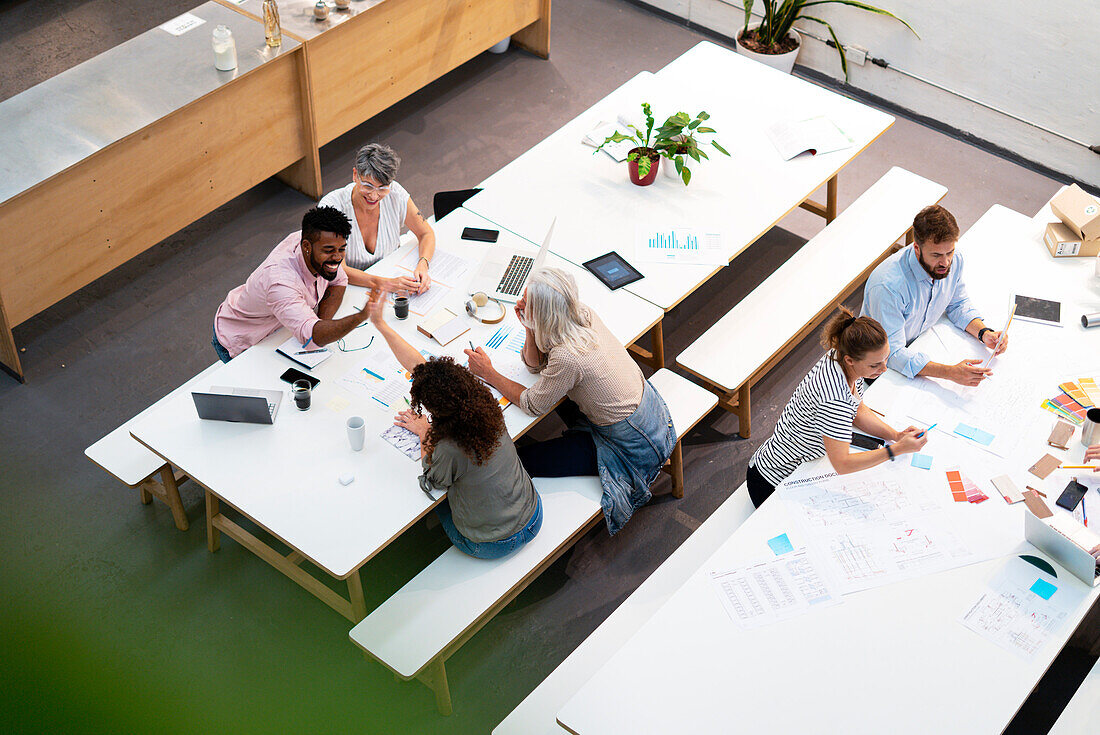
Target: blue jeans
x=489 y=549
x=223 y=354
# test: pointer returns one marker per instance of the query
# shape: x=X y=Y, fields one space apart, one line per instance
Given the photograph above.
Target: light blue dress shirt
x=906 y=301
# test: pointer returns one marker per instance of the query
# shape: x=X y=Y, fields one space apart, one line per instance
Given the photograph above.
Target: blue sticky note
x=1043 y=588
x=965 y=431
x=923 y=461
x=982 y=437
x=780 y=544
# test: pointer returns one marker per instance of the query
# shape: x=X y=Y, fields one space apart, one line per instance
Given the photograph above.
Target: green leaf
x=686 y=175
x=863 y=6
x=839 y=48
x=644 y=164
x=704 y=130
x=694 y=124
x=748 y=14
x=720 y=148
x=703 y=116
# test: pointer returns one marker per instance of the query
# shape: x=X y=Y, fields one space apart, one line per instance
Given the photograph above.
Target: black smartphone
x=1072 y=495
x=293 y=374
x=474 y=233
x=864 y=441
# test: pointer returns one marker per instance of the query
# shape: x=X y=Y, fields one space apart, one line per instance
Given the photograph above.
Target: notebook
x=308 y=355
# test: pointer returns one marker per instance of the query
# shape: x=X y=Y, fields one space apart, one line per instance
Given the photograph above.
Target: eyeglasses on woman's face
x=369 y=188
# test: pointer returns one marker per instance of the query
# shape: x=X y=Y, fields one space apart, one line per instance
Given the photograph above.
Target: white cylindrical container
x=225 y=49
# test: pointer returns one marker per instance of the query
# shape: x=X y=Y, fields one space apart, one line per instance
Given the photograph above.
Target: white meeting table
x=889 y=659
x=743 y=195
x=284 y=477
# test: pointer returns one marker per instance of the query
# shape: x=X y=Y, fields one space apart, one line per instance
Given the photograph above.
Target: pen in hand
x=927 y=430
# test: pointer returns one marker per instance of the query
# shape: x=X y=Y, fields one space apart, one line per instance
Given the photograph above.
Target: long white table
x=284 y=477
x=889 y=659
x=744 y=195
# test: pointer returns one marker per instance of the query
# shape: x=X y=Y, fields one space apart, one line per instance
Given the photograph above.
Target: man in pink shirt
x=299 y=286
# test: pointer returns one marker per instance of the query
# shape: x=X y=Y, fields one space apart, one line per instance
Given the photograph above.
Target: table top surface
x=284 y=476
x=296 y=16
x=742 y=195
x=892 y=658
x=60 y=122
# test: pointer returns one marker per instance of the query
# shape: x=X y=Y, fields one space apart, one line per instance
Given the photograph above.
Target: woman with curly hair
x=492 y=508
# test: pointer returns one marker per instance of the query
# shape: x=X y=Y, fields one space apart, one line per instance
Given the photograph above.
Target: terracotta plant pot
x=632 y=167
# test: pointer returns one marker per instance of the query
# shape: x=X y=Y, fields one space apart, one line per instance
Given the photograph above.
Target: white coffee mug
x=357 y=432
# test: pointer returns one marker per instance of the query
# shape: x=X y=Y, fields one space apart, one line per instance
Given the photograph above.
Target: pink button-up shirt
x=281 y=291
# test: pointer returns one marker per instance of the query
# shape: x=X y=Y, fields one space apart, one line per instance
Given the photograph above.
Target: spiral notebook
x=308 y=355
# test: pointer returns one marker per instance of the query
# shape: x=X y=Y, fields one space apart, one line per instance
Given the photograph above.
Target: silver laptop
x=503 y=273
x=1059 y=547
x=245 y=405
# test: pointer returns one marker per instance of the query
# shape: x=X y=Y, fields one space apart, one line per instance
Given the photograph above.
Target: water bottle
x=225 y=49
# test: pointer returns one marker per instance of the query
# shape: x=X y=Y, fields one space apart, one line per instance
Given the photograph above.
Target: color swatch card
x=975 y=434
x=922 y=461
x=1073 y=390
x=963 y=490
x=1007 y=488
x=1066 y=407
x=1091 y=389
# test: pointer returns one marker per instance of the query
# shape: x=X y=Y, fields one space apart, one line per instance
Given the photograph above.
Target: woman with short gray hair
x=378 y=206
x=619 y=426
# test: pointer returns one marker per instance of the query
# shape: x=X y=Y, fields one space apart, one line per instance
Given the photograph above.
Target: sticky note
x=982 y=437
x=923 y=461
x=780 y=544
x=337 y=403
x=1043 y=588
x=965 y=431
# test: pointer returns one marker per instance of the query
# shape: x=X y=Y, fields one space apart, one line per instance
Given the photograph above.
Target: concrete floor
x=115 y=621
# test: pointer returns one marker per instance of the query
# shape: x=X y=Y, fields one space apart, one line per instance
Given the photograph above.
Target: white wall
x=1037 y=60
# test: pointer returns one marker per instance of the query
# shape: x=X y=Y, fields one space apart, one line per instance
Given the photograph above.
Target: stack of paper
x=603 y=130
x=814 y=135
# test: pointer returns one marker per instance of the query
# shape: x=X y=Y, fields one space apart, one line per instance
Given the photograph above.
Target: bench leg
x=676 y=469
x=172 y=497
x=744 y=411
x=355 y=596
x=144 y=494
x=436 y=679
x=213 y=535
x=830 y=199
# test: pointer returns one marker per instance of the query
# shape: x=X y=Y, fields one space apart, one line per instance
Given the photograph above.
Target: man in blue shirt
x=909 y=292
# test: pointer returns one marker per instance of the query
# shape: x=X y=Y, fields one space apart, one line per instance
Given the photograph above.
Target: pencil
x=880 y=413
x=1079 y=467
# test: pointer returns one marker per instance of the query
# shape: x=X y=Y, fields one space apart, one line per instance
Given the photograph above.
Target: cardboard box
x=1079 y=211
x=1062 y=242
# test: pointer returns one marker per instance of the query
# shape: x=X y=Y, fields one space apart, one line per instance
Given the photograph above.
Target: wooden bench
x=1082 y=714
x=536 y=714
x=731 y=356
x=415 y=631
x=132 y=464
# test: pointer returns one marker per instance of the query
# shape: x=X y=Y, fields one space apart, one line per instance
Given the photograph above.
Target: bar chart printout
x=680 y=245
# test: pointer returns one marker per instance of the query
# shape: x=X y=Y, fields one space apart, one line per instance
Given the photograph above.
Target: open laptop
x=246 y=405
x=503 y=273
x=1059 y=546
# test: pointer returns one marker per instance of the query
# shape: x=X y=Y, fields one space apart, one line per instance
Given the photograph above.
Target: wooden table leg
x=440 y=687
x=9 y=353
x=213 y=535
x=172 y=497
x=830 y=199
x=355 y=596
x=658 y=346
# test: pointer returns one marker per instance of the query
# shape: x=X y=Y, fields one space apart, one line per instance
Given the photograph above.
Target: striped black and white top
x=822 y=405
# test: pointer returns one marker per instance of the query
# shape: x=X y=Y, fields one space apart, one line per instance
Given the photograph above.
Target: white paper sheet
x=182 y=24
x=774 y=590
x=816 y=134
x=876 y=527
x=1011 y=615
x=445 y=266
x=404 y=440
x=690 y=245
x=423 y=304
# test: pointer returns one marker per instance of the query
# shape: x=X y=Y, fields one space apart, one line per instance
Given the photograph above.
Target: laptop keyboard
x=515 y=274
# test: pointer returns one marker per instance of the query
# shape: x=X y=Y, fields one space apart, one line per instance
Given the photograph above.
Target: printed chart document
x=1021 y=608
x=446 y=267
x=814 y=135
x=379 y=379
x=875 y=527
x=774 y=590
x=680 y=245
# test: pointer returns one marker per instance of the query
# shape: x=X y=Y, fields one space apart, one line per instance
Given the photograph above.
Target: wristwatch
x=982 y=331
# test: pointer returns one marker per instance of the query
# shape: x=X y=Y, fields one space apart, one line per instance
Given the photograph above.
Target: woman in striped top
x=828 y=402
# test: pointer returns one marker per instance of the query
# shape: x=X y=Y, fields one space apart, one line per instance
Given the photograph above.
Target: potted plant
x=775 y=42
x=677 y=140
x=642 y=160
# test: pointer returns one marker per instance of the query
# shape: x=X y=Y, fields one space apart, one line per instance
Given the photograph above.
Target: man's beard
x=935 y=276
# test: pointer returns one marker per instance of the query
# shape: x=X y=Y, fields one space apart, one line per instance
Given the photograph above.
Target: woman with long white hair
x=619 y=426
